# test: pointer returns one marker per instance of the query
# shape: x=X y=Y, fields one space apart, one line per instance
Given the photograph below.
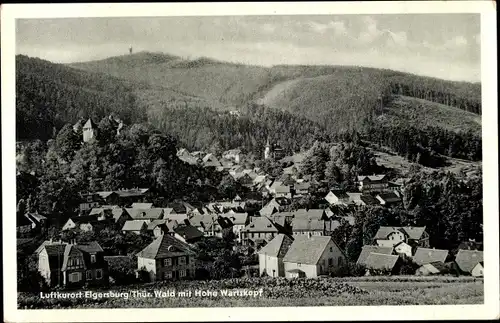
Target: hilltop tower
x=130 y=49
x=89 y=130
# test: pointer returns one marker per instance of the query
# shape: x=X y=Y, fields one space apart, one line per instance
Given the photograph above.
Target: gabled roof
x=302 y=186
x=132 y=192
x=142 y=205
x=380 y=261
x=237 y=218
x=277 y=247
x=117 y=213
x=180 y=218
x=412 y=232
x=35 y=216
x=165 y=246
x=307 y=250
x=437 y=267
x=260 y=224
x=309 y=214
x=369 y=200
x=134 y=225
x=89 y=247
x=188 y=232
x=339 y=194
x=468 y=259
x=90 y=124
x=282 y=189
x=83 y=219
x=389 y=197
x=300 y=225
x=367 y=250
x=425 y=255
x=268 y=210
x=153 y=224
x=372 y=178
x=146 y=214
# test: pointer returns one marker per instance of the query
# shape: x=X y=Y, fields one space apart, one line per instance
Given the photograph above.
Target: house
x=425 y=256
x=271 y=256
x=120 y=216
x=373 y=183
x=470 y=245
x=67 y=264
x=37 y=220
x=367 y=250
x=23 y=224
x=109 y=197
x=202 y=222
x=390 y=236
x=135 y=226
x=388 y=199
x=477 y=271
x=89 y=201
x=159 y=227
x=146 y=214
x=233 y=154
x=376 y=262
x=187 y=233
x=466 y=260
x=433 y=268
x=129 y=196
x=89 y=131
x=282 y=191
x=180 y=218
x=211 y=161
x=142 y=205
x=239 y=221
x=259 y=229
x=312 y=227
x=243 y=178
x=167 y=258
x=312 y=256
x=186 y=157
x=362 y=199
x=336 y=197
x=268 y=210
x=315 y=214
x=394 y=187
x=302 y=189
x=83 y=223
x=402 y=248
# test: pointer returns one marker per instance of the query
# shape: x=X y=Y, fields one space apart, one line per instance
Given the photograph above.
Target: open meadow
x=351 y=291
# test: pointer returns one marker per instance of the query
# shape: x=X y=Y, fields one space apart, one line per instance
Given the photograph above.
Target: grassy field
x=403 y=290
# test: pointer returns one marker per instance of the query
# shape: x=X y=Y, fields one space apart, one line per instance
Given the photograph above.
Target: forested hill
x=49 y=95
x=291 y=105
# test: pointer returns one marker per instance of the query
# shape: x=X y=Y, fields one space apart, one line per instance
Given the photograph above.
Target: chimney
x=50 y=240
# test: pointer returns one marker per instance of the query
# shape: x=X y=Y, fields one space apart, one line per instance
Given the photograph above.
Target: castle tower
x=130 y=49
x=267 y=150
x=89 y=130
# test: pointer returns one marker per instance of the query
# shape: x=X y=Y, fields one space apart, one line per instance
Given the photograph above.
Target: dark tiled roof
x=277 y=247
x=165 y=246
x=412 y=232
x=188 y=232
x=340 y=194
x=89 y=247
x=389 y=197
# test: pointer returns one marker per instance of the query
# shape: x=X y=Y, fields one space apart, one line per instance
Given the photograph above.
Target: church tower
x=89 y=130
x=267 y=150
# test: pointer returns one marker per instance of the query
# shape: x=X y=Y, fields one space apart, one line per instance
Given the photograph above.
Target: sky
x=446 y=46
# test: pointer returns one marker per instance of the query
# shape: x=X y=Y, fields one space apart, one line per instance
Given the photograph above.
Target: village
x=263 y=221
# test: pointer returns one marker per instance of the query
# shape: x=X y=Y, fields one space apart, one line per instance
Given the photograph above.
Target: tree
x=67 y=143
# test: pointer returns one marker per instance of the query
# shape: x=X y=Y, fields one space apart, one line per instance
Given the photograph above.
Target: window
x=340 y=261
x=75 y=277
x=98 y=273
x=330 y=261
x=92 y=258
x=167 y=262
x=182 y=260
x=167 y=275
x=182 y=273
x=252 y=235
x=89 y=274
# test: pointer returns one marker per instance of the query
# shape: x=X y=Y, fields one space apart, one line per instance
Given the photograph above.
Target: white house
x=312 y=256
x=337 y=197
x=271 y=256
x=390 y=236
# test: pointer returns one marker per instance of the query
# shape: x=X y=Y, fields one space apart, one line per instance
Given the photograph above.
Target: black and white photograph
x=250 y=159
